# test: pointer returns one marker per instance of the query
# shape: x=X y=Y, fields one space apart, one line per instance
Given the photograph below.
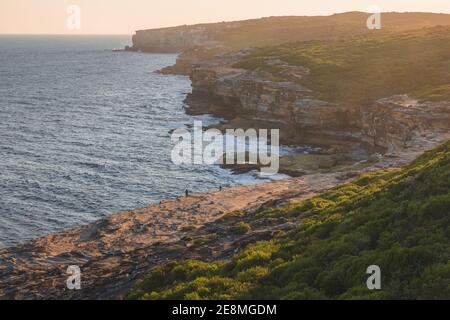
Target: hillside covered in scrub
x=360 y=100
x=210 y=38
x=362 y=69
x=398 y=219
x=381 y=91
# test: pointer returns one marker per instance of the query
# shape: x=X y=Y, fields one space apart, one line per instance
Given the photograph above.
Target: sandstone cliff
x=261 y=99
x=202 y=41
x=275 y=30
x=255 y=98
x=116 y=251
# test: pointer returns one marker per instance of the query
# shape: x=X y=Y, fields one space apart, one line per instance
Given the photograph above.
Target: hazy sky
x=126 y=16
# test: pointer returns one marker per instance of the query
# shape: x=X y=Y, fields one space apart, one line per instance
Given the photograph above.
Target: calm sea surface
x=85 y=132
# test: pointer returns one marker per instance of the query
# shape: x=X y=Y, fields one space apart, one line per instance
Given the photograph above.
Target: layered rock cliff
x=401 y=122
x=176 y=39
x=255 y=98
x=261 y=98
x=114 y=252
x=275 y=30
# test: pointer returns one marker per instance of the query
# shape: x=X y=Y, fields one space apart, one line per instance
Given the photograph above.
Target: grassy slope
x=273 y=31
x=362 y=69
x=277 y=30
x=397 y=219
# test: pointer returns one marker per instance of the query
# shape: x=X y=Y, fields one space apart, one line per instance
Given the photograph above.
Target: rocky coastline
x=346 y=134
x=112 y=253
x=116 y=251
x=352 y=139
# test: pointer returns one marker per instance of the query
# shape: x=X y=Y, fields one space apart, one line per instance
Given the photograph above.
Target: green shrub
x=363 y=69
x=241 y=227
x=397 y=219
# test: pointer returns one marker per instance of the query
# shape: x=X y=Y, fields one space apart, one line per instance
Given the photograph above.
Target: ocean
x=85 y=133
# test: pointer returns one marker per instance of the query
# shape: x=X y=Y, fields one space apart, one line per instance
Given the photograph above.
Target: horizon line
x=212 y=22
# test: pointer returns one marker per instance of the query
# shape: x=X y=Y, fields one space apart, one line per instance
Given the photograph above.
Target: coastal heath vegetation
x=364 y=68
x=397 y=219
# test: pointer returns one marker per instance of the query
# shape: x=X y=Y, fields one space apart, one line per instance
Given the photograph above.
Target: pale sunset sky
x=126 y=16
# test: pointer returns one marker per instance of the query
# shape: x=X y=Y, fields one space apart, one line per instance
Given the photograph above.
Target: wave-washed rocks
x=112 y=253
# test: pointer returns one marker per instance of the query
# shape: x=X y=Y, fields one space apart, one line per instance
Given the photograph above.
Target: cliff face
x=401 y=122
x=176 y=39
x=262 y=97
x=275 y=30
x=256 y=98
x=249 y=96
